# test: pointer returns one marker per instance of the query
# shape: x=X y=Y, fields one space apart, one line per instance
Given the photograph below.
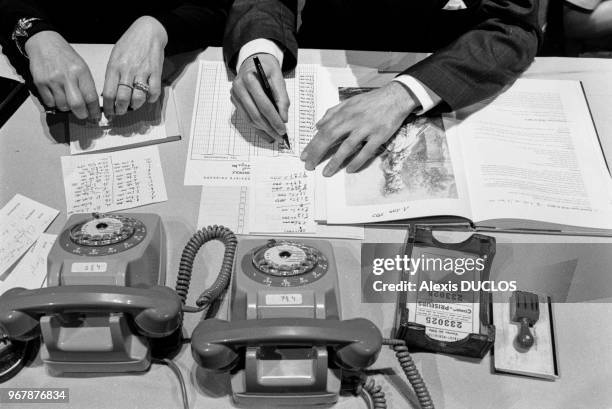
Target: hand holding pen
x=254 y=104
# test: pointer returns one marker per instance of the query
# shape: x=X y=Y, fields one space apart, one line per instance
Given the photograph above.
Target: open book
x=528 y=159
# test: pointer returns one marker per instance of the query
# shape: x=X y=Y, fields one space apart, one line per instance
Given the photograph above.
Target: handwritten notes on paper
x=229 y=206
x=113 y=181
x=32 y=269
x=282 y=197
x=22 y=221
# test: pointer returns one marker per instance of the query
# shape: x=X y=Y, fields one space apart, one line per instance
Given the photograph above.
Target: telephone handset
x=216 y=344
x=156 y=311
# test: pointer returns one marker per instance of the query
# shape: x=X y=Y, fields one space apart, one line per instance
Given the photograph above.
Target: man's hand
x=61 y=76
x=251 y=101
x=360 y=125
x=138 y=56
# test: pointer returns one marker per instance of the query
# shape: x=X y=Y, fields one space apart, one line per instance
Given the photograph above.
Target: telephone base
x=275 y=399
x=263 y=400
x=92 y=344
x=57 y=368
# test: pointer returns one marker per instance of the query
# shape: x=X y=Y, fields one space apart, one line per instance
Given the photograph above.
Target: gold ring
x=125 y=85
x=141 y=86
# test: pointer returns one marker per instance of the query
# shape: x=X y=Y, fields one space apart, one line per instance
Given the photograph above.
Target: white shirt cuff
x=259 y=45
x=425 y=96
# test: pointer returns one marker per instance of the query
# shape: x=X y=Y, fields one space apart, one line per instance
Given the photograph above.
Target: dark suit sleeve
x=194 y=24
x=274 y=20
x=13 y=10
x=486 y=58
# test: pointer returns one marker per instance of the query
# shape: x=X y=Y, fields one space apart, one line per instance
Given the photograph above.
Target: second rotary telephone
x=106 y=309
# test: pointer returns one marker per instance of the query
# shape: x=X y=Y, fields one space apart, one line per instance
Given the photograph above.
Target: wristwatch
x=22 y=32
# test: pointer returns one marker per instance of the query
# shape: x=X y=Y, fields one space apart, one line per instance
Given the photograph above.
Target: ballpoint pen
x=268 y=91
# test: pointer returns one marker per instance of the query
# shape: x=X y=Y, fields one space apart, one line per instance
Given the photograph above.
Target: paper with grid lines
x=222 y=144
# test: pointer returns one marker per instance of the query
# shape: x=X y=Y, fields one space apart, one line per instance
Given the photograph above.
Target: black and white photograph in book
x=415 y=165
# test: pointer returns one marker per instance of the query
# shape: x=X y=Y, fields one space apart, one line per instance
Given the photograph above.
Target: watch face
x=286 y=264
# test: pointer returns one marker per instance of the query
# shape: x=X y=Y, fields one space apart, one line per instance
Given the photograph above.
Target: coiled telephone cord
x=372 y=394
x=376 y=397
x=208 y=297
x=203 y=236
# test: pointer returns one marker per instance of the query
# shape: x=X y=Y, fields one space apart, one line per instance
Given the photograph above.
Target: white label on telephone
x=88 y=268
x=283 y=299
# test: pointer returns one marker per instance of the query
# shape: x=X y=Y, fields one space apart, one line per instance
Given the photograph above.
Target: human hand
x=251 y=101
x=60 y=75
x=138 y=56
x=360 y=124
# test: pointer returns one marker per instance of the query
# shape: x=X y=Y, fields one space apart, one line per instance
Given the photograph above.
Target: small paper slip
x=32 y=269
x=229 y=206
x=282 y=198
x=150 y=124
x=22 y=221
x=120 y=180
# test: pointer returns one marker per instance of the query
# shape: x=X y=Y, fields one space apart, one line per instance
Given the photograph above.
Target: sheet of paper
x=152 y=123
x=222 y=145
x=229 y=206
x=105 y=182
x=282 y=198
x=535 y=155
x=22 y=221
x=31 y=271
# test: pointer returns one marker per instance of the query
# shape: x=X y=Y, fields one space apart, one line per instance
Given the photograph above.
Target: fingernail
x=303 y=156
x=350 y=169
x=309 y=166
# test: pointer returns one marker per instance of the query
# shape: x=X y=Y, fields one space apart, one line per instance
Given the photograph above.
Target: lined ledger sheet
x=113 y=181
x=222 y=144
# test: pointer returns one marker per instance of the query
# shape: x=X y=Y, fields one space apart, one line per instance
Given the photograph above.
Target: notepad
x=150 y=124
x=120 y=180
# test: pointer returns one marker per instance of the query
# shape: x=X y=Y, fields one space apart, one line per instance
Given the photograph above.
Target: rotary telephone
x=106 y=309
x=105 y=300
x=286 y=343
